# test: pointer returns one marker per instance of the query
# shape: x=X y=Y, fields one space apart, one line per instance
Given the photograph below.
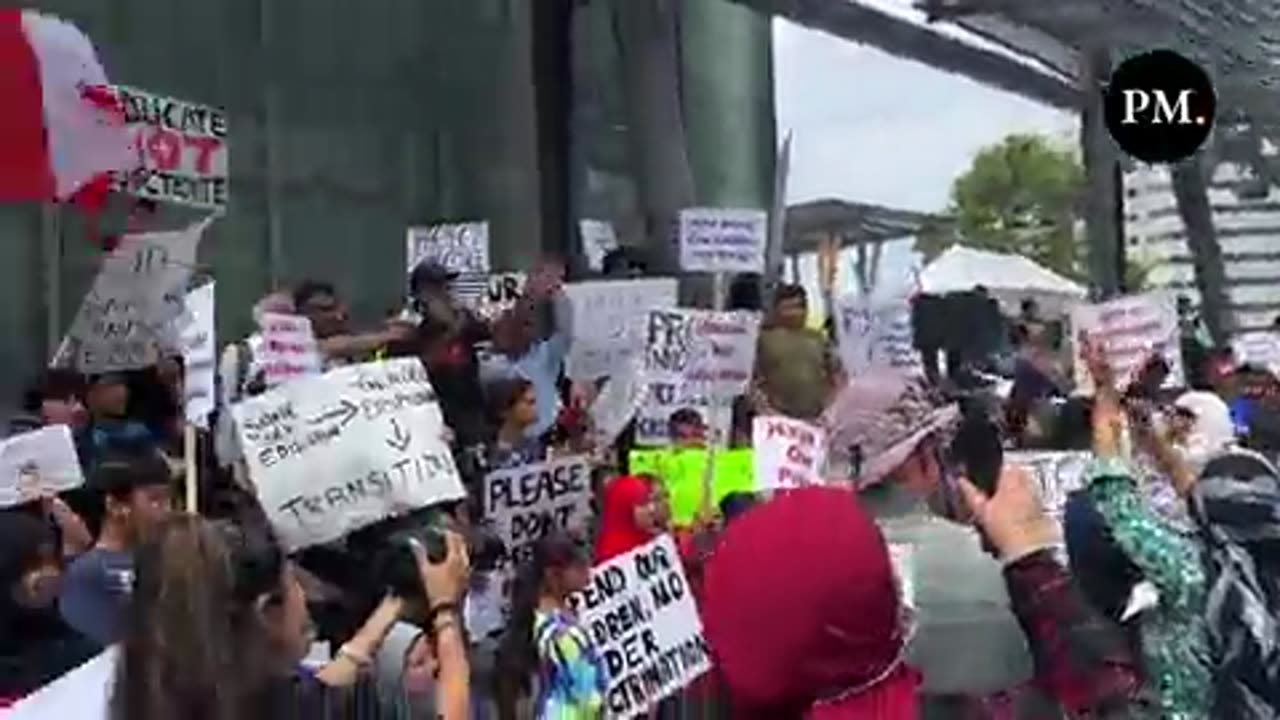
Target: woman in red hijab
x=634 y=512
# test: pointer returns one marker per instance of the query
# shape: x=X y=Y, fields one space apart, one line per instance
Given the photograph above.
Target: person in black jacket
x=36 y=646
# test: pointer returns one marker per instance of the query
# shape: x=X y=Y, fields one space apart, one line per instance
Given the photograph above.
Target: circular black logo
x=1160 y=106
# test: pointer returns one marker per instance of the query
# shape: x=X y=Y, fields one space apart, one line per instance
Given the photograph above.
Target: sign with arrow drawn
x=332 y=453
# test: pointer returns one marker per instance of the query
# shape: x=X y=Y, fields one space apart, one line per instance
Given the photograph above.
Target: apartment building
x=1248 y=230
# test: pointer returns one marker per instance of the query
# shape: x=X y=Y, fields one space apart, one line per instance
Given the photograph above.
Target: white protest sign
x=134 y=307
x=37 y=463
x=1260 y=348
x=643 y=621
x=1130 y=330
x=83 y=693
x=200 y=357
x=459 y=247
x=609 y=319
x=1057 y=474
x=528 y=502
x=183 y=148
x=490 y=296
x=727 y=240
x=289 y=350
x=617 y=403
x=332 y=453
x=789 y=454
x=698 y=359
x=875 y=335
x=598 y=240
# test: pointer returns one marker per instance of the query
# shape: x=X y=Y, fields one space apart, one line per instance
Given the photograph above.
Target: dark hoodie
x=36 y=647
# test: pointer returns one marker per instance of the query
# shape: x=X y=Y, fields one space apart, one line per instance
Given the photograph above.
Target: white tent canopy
x=1009 y=278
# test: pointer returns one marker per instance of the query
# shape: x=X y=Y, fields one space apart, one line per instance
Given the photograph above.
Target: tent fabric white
x=1009 y=278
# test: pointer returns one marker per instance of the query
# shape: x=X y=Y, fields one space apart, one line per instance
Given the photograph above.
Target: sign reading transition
x=333 y=453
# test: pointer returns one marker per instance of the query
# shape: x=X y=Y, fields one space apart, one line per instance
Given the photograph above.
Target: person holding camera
x=218 y=627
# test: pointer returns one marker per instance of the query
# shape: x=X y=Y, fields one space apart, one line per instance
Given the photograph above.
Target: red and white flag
x=62 y=128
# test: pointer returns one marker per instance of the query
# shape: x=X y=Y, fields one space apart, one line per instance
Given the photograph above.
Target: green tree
x=1020 y=196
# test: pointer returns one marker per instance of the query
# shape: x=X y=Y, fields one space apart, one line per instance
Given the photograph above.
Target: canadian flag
x=62 y=130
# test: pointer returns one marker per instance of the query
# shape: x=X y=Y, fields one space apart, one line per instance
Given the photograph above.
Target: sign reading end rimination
x=333 y=453
x=642 y=617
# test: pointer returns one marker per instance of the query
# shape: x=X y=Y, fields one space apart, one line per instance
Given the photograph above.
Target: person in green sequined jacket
x=1175 y=639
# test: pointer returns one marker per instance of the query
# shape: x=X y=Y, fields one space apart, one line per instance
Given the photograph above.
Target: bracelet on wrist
x=441 y=609
x=359 y=658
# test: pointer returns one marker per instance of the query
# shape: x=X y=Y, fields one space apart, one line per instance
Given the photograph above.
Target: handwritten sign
x=609 y=323
x=1130 y=329
x=1260 y=348
x=598 y=240
x=1057 y=474
x=727 y=240
x=875 y=335
x=336 y=452
x=38 y=463
x=200 y=357
x=459 y=247
x=697 y=359
x=642 y=618
x=789 y=453
x=289 y=349
x=530 y=501
x=182 y=148
x=136 y=304
x=488 y=296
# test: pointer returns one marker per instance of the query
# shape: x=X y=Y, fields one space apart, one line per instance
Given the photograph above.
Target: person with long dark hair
x=218 y=626
x=545 y=640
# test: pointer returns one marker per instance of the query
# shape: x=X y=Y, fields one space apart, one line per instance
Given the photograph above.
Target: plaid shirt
x=1081 y=659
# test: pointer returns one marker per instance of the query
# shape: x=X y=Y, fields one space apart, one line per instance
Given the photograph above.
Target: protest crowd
x=530 y=495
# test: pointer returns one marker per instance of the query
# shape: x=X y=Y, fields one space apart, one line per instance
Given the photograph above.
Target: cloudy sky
x=874 y=128
x=869 y=126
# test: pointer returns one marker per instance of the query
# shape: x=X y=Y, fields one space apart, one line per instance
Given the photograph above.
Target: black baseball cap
x=429 y=273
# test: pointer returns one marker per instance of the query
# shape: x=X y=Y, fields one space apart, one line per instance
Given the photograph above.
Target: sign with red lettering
x=183 y=148
x=789 y=454
x=289 y=348
x=1130 y=329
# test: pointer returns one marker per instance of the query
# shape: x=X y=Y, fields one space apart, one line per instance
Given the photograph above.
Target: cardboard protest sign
x=1057 y=474
x=598 y=240
x=644 y=622
x=136 y=305
x=789 y=453
x=682 y=471
x=289 y=350
x=527 y=502
x=183 y=149
x=38 y=463
x=336 y=452
x=200 y=357
x=609 y=322
x=875 y=334
x=1130 y=329
x=697 y=359
x=1260 y=348
x=460 y=247
x=723 y=240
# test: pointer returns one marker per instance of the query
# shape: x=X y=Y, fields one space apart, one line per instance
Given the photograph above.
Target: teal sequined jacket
x=1174 y=635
